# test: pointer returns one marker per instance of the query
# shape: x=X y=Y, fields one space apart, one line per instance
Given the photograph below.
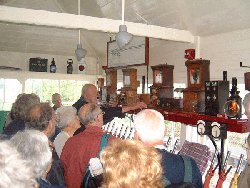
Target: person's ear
x=136 y=137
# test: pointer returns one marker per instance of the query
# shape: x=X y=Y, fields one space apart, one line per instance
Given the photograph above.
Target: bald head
x=91 y=114
x=150 y=127
x=89 y=93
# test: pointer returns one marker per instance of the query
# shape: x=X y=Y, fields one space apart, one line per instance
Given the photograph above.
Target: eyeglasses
x=102 y=113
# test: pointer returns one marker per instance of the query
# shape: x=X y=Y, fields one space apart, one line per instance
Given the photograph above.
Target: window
x=70 y=90
x=9 y=89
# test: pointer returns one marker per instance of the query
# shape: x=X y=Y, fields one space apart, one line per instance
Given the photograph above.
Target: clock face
x=216 y=132
x=201 y=127
x=108 y=80
x=158 y=76
x=194 y=76
x=127 y=80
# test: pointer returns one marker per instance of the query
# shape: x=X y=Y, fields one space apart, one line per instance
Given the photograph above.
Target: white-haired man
x=57 y=101
x=68 y=122
x=34 y=147
x=150 y=129
x=79 y=149
x=14 y=170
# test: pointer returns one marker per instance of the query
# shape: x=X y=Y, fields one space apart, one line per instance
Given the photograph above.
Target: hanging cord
x=79 y=13
x=123 y=4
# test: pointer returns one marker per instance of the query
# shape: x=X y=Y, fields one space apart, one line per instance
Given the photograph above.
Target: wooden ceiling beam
x=72 y=21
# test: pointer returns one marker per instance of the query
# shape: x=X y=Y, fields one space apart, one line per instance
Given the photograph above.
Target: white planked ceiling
x=200 y=17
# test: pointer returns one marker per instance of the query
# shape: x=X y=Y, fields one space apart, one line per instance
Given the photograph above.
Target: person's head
x=14 y=170
x=33 y=146
x=57 y=100
x=90 y=93
x=41 y=117
x=149 y=127
x=91 y=114
x=129 y=163
x=67 y=117
x=21 y=106
x=246 y=104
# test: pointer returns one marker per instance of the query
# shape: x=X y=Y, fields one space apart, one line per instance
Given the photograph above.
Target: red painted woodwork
x=234 y=125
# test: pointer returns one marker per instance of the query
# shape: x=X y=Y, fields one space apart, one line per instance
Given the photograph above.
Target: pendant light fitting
x=123 y=37
x=80 y=52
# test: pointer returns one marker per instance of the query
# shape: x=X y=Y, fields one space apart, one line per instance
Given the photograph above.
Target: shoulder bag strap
x=104 y=143
x=188 y=169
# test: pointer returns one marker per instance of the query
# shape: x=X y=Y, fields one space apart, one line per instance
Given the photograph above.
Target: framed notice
x=134 y=54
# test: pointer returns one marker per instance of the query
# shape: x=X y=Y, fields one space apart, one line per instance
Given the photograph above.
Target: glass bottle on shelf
x=53 y=66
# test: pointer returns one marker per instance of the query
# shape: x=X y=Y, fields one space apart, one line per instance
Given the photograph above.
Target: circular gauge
x=216 y=132
x=231 y=108
x=201 y=127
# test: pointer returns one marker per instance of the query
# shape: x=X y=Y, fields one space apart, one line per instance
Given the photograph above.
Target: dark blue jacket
x=46 y=184
x=173 y=168
x=109 y=112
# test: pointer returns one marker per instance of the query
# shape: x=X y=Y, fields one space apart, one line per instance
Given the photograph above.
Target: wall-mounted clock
x=130 y=78
x=197 y=73
x=163 y=75
x=130 y=84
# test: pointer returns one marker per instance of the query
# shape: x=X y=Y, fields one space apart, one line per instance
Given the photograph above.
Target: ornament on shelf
x=190 y=54
x=69 y=67
x=53 y=66
x=82 y=66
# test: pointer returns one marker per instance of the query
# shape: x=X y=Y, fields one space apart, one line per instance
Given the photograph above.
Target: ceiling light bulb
x=123 y=37
x=80 y=52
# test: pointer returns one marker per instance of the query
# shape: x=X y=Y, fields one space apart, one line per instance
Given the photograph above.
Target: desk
x=233 y=125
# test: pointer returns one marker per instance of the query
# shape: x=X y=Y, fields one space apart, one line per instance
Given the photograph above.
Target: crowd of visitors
x=48 y=146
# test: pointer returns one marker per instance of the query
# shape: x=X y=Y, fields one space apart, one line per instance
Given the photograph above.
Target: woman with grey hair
x=14 y=171
x=19 y=112
x=68 y=122
x=33 y=146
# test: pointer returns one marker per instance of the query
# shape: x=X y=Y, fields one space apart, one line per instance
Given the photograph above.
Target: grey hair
x=150 y=125
x=54 y=96
x=22 y=104
x=14 y=171
x=65 y=114
x=33 y=146
x=85 y=88
x=91 y=114
x=246 y=100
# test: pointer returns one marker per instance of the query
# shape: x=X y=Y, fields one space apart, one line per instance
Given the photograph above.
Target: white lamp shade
x=80 y=52
x=123 y=37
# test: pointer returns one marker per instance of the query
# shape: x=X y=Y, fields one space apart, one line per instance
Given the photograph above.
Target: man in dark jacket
x=90 y=94
x=150 y=129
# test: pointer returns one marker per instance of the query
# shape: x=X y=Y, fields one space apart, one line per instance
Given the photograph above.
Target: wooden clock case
x=111 y=84
x=162 y=88
x=130 y=84
x=194 y=95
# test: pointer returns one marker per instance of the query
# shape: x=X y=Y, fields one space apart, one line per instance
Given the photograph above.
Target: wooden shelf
x=234 y=125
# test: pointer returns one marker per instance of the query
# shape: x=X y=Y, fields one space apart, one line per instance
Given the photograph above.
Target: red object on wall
x=81 y=67
x=190 y=54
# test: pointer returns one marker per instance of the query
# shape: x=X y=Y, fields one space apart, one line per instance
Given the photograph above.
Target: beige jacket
x=244 y=178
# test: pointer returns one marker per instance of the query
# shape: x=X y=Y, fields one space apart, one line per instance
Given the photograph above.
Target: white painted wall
x=225 y=52
x=21 y=60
